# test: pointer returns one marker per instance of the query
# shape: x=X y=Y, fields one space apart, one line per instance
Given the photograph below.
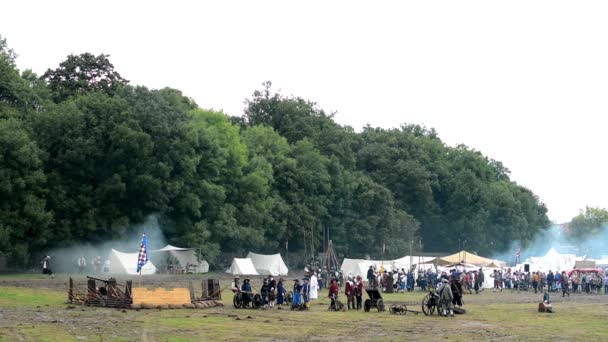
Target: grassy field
x=38 y=314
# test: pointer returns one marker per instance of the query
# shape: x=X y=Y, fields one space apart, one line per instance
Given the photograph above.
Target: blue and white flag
x=143 y=252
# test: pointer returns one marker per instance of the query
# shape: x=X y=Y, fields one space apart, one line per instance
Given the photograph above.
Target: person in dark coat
x=389 y=282
x=265 y=293
x=280 y=292
x=456 y=288
x=46 y=266
x=370 y=277
x=305 y=291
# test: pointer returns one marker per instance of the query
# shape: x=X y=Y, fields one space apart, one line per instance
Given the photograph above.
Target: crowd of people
x=401 y=281
x=577 y=282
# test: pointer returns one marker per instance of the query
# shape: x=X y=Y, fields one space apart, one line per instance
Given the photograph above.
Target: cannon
x=374 y=300
x=430 y=302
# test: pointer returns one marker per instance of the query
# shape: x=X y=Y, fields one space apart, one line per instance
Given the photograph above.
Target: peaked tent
x=126 y=263
x=359 y=267
x=554 y=261
x=242 y=267
x=185 y=257
x=466 y=257
x=268 y=264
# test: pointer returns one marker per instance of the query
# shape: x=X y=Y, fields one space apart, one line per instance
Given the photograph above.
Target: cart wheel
x=237 y=300
x=289 y=297
x=380 y=305
x=257 y=301
x=427 y=306
x=367 y=305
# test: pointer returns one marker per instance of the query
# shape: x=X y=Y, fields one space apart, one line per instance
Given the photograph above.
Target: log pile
x=197 y=305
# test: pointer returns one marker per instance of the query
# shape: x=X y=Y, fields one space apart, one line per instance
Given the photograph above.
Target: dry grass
x=490 y=316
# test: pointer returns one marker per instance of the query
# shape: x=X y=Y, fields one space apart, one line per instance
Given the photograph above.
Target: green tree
x=80 y=74
x=588 y=223
x=23 y=215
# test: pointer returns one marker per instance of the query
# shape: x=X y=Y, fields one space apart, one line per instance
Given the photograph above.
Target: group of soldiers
x=402 y=281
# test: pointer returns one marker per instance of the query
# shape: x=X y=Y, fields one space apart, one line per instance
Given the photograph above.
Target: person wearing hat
x=265 y=292
x=246 y=290
x=370 y=276
x=445 y=298
x=280 y=292
x=235 y=285
x=297 y=293
x=305 y=291
x=349 y=292
x=359 y=291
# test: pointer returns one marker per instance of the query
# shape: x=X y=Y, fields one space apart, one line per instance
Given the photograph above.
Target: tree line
x=84 y=155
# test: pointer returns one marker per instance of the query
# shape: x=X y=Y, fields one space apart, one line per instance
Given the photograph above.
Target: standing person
x=550 y=279
x=497 y=280
x=46 y=266
x=606 y=283
x=98 y=264
x=306 y=291
x=445 y=298
x=297 y=293
x=106 y=266
x=564 y=283
x=334 y=289
x=535 y=281
x=272 y=296
x=370 y=277
x=235 y=287
x=359 y=291
x=481 y=278
x=349 y=292
x=314 y=286
x=265 y=293
x=82 y=264
x=280 y=292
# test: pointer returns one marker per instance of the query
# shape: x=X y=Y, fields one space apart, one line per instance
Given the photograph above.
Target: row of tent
x=253 y=264
x=359 y=267
x=126 y=263
x=555 y=261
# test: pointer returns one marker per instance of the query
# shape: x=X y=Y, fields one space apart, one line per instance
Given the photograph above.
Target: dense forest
x=84 y=155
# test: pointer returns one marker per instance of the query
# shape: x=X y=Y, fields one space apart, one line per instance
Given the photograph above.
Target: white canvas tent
x=553 y=261
x=184 y=256
x=359 y=267
x=268 y=264
x=242 y=266
x=126 y=263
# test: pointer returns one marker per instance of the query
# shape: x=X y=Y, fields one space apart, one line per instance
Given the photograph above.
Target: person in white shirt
x=314 y=286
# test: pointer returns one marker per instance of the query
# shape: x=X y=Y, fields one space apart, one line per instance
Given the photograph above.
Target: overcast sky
x=525 y=82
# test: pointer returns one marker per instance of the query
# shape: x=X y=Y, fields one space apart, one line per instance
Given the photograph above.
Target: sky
x=524 y=82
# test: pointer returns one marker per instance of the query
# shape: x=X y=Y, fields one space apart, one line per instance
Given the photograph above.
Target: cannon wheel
x=237 y=301
x=367 y=305
x=380 y=305
x=257 y=301
x=427 y=307
x=289 y=297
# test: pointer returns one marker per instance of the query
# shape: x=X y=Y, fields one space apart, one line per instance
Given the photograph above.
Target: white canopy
x=268 y=264
x=186 y=257
x=126 y=263
x=553 y=260
x=359 y=267
x=242 y=266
